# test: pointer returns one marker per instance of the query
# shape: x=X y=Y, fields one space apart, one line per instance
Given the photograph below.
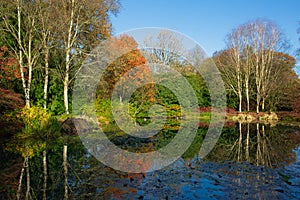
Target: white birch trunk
x=46 y=80
x=240 y=143
x=65 y=165
x=27 y=179
x=68 y=47
x=45 y=174
x=20 y=56
x=247 y=143
x=20 y=181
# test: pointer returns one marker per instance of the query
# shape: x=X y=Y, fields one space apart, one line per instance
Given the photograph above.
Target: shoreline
x=281 y=117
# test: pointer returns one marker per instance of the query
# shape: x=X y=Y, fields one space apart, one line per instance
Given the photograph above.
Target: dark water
x=250 y=161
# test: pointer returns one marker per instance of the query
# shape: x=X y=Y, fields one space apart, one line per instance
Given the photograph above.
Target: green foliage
x=103 y=110
x=200 y=88
x=139 y=106
x=164 y=96
x=196 y=144
x=56 y=107
x=205 y=116
x=164 y=137
x=285 y=178
x=232 y=100
x=50 y=129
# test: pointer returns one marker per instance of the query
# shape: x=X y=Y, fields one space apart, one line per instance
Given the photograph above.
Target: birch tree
x=166 y=48
x=247 y=67
x=27 y=50
x=46 y=20
x=265 y=38
x=235 y=43
x=231 y=73
x=81 y=24
x=251 y=50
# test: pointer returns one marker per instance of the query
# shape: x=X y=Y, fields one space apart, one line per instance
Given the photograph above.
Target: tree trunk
x=239 y=84
x=66 y=88
x=247 y=143
x=264 y=149
x=30 y=67
x=257 y=105
x=66 y=82
x=240 y=143
x=46 y=76
x=68 y=59
x=65 y=165
x=20 y=181
x=258 y=150
x=45 y=174
x=247 y=94
x=20 y=59
x=28 y=179
x=263 y=104
x=240 y=101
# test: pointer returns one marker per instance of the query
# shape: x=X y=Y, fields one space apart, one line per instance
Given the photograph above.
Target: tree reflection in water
x=259 y=144
x=228 y=171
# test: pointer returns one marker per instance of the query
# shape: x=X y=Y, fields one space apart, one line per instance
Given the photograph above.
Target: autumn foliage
x=9 y=70
x=130 y=68
x=10 y=100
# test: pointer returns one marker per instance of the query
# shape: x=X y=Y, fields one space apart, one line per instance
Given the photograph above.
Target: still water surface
x=250 y=161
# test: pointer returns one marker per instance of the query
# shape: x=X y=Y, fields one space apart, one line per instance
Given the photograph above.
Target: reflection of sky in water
x=293 y=173
x=193 y=178
x=178 y=182
x=297 y=151
x=212 y=181
x=205 y=189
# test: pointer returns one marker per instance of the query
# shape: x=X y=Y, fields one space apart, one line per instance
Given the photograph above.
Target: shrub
x=34 y=116
x=38 y=122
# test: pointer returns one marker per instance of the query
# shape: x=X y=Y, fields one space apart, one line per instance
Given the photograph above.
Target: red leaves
x=8 y=65
x=10 y=100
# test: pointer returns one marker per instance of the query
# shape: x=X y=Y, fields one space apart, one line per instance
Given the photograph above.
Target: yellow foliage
x=34 y=115
x=31 y=149
x=27 y=146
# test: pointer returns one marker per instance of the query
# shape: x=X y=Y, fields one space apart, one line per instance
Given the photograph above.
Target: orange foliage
x=132 y=60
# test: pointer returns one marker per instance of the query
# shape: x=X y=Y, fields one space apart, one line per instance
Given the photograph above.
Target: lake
x=249 y=161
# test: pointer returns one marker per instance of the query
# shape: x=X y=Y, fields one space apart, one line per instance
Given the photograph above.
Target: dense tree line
x=43 y=44
x=256 y=69
x=48 y=40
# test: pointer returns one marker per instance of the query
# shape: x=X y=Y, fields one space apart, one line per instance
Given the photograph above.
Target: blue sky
x=206 y=21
